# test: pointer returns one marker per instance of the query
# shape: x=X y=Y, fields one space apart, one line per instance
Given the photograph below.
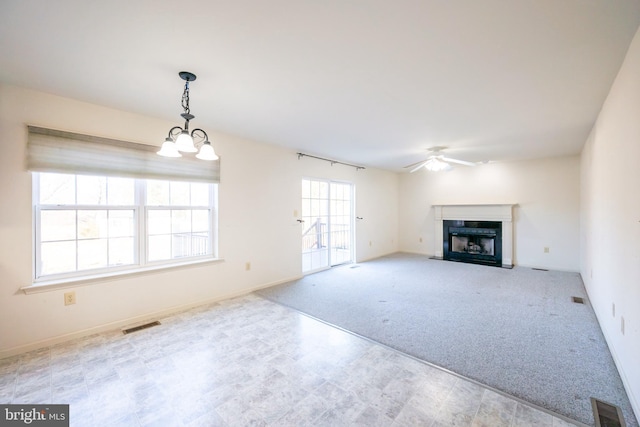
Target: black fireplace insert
x=477 y=242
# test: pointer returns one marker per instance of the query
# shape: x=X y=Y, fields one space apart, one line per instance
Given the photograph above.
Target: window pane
x=200 y=244
x=199 y=194
x=121 y=191
x=200 y=220
x=157 y=193
x=315 y=208
x=57 y=257
x=181 y=245
x=159 y=247
x=159 y=222
x=306 y=207
x=180 y=221
x=92 y=254
x=324 y=190
x=92 y=224
x=92 y=190
x=121 y=251
x=57 y=225
x=315 y=189
x=57 y=189
x=74 y=239
x=337 y=191
x=180 y=194
x=306 y=188
x=121 y=223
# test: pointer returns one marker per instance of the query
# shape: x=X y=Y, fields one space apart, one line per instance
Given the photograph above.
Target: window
x=96 y=224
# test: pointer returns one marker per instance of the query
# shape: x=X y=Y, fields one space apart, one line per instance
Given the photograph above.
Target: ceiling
x=370 y=82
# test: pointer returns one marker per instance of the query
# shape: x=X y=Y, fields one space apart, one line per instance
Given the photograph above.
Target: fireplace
x=477 y=242
x=475 y=233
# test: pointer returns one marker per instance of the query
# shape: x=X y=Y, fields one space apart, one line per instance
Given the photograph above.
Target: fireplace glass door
x=473 y=245
x=473 y=241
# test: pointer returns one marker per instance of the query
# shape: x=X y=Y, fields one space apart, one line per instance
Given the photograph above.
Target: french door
x=327 y=224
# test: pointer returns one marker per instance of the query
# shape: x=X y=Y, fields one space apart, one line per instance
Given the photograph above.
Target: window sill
x=52 y=285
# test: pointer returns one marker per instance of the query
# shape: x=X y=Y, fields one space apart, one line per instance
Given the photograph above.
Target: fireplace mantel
x=481 y=212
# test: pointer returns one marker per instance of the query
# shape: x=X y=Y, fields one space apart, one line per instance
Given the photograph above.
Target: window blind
x=50 y=150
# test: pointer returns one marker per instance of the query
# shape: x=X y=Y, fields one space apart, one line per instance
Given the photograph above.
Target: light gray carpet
x=514 y=330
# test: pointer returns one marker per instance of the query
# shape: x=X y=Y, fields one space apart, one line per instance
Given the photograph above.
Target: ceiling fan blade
x=460 y=162
x=419 y=165
x=414 y=164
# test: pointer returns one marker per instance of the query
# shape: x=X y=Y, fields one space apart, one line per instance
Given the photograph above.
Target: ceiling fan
x=437 y=161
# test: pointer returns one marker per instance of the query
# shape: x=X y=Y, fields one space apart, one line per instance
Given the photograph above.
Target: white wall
x=546 y=192
x=259 y=191
x=610 y=220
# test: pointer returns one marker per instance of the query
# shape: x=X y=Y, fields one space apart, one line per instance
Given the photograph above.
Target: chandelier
x=180 y=139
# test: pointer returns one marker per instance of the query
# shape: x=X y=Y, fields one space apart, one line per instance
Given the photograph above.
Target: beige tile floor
x=248 y=361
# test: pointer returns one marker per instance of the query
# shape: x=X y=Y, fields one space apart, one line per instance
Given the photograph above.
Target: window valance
x=50 y=150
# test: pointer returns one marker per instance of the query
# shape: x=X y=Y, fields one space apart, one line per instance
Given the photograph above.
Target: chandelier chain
x=185 y=98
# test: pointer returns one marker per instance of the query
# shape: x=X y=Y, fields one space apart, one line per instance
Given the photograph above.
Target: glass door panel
x=340 y=222
x=327 y=216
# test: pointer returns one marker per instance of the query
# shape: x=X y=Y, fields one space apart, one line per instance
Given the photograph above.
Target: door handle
x=300 y=220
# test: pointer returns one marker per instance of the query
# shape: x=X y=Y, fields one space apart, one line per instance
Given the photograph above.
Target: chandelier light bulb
x=168 y=149
x=207 y=152
x=184 y=143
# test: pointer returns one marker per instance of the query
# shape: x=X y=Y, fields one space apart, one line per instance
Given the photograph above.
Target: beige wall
x=546 y=193
x=610 y=220
x=258 y=194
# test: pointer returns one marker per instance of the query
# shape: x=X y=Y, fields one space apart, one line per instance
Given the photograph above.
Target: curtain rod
x=333 y=162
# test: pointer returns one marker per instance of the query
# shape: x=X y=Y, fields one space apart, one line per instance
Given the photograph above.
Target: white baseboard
x=375 y=257
x=391 y=253
x=635 y=404
x=132 y=321
x=416 y=253
x=564 y=270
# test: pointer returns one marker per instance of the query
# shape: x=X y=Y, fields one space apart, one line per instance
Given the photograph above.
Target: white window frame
x=140 y=264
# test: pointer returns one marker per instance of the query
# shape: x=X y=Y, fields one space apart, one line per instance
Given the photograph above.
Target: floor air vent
x=577 y=300
x=607 y=415
x=141 y=327
x=539 y=269
x=355 y=266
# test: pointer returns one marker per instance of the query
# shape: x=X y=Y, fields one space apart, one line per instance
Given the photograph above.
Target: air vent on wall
x=141 y=327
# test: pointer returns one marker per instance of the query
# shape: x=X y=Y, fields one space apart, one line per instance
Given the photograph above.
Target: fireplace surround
x=475 y=233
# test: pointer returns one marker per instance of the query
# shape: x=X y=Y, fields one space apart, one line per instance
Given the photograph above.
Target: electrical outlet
x=295 y=213
x=546 y=250
x=69 y=298
x=622 y=325
x=247 y=266
x=370 y=243
x=420 y=239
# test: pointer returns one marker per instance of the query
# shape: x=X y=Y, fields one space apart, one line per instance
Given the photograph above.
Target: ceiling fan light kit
x=180 y=140
x=437 y=162
x=436 y=165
